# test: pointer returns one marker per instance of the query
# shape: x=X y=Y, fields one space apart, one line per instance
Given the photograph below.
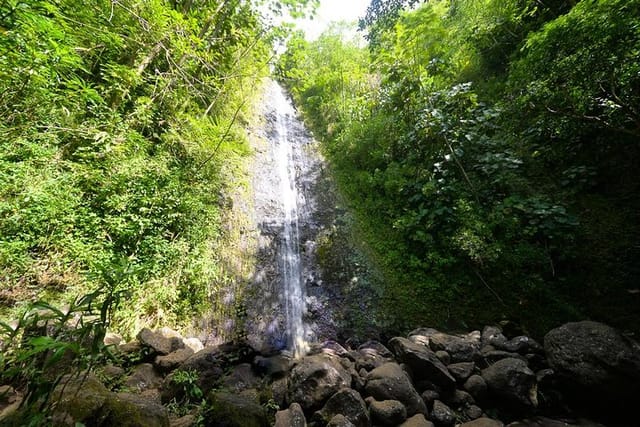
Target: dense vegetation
x=490 y=151
x=121 y=145
x=120 y=135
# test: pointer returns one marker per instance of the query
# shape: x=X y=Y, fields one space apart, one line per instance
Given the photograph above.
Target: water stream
x=290 y=247
x=285 y=175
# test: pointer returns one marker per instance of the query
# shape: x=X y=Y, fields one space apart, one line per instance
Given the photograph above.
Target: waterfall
x=292 y=284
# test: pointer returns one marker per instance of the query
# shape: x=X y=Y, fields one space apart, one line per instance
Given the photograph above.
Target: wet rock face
x=596 y=363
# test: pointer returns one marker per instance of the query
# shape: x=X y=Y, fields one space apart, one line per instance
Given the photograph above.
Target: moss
x=231 y=410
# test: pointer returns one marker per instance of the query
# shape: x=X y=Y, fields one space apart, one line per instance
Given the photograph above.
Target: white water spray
x=294 y=297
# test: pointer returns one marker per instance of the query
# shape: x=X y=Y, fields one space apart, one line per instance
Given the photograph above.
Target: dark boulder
x=387 y=412
x=461 y=371
x=522 y=345
x=483 y=422
x=340 y=421
x=274 y=366
x=85 y=400
x=417 y=420
x=316 y=378
x=493 y=336
x=423 y=363
x=235 y=410
x=477 y=387
x=346 y=402
x=548 y=422
x=514 y=382
x=461 y=349
x=162 y=341
x=390 y=382
x=292 y=417
x=143 y=377
x=169 y=362
x=372 y=354
x=442 y=414
x=597 y=365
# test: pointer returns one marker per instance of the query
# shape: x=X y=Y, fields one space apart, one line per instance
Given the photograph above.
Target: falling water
x=290 y=252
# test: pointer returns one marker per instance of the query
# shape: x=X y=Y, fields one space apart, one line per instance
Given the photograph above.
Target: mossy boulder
x=235 y=410
x=86 y=400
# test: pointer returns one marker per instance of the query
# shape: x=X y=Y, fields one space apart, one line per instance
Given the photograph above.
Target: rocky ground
x=429 y=378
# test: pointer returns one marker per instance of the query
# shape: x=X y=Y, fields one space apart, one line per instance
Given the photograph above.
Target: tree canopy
x=490 y=151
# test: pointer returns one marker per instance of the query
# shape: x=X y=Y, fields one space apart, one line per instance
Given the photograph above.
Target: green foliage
x=120 y=135
x=48 y=346
x=487 y=135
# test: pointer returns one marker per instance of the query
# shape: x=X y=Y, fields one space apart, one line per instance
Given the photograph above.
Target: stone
x=390 y=382
x=596 y=364
x=240 y=378
x=130 y=350
x=425 y=333
x=209 y=364
x=423 y=362
x=477 y=387
x=172 y=360
x=132 y=410
x=79 y=399
x=548 y=422
x=441 y=414
x=292 y=417
x=483 y=422
x=10 y=401
x=236 y=410
x=492 y=356
x=492 y=335
x=461 y=371
x=417 y=420
x=511 y=380
x=430 y=396
x=443 y=356
x=358 y=381
x=473 y=412
x=377 y=347
x=193 y=343
x=349 y=403
x=111 y=338
x=86 y=400
x=387 y=412
x=330 y=347
x=163 y=341
x=372 y=354
x=340 y=421
x=112 y=373
x=460 y=399
x=460 y=349
x=522 y=345
x=275 y=366
x=279 y=389
x=189 y=420
x=143 y=377
x=316 y=378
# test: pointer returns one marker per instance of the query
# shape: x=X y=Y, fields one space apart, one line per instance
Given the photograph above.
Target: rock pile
x=429 y=378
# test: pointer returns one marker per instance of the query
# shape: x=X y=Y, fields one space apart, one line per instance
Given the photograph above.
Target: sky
x=333 y=10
